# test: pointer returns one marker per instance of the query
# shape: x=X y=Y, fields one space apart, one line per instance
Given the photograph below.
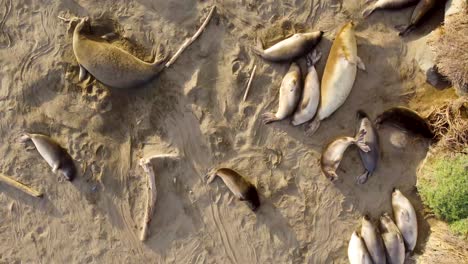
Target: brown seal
x=405 y=119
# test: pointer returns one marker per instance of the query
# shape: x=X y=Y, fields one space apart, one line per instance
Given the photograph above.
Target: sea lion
x=373 y=241
x=405 y=119
x=56 y=156
x=421 y=9
x=239 y=186
x=405 y=218
x=290 y=48
x=371 y=158
x=290 y=92
x=333 y=153
x=310 y=93
x=357 y=252
x=387 y=4
x=339 y=75
x=109 y=64
x=393 y=241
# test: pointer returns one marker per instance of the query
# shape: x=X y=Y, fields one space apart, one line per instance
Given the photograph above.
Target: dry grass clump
x=450 y=47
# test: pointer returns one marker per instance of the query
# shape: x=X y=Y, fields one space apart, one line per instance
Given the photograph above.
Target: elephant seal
x=371 y=158
x=357 y=252
x=310 y=93
x=290 y=48
x=421 y=9
x=373 y=241
x=290 y=92
x=240 y=187
x=405 y=119
x=405 y=218
x=387 y=4
x=393 y=241
x=333 y=153
x=339 y=75
x=109 y=64
x=56 y=156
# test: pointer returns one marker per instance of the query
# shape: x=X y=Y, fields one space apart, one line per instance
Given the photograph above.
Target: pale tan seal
x=393 y=240
x=310 y=93
x=357 y=252
x=387 y=4
x=405 y=218
x=339 y=75
x=373 y=240
x=290 y=48
x=290 y=92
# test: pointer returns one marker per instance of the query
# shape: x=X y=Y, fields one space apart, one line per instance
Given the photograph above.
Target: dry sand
x=194 y=108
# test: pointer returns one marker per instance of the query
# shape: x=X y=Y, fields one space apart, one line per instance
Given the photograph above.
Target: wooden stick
x=145 y=163
x=18 y=185
x=192 y=39
x=250 y=82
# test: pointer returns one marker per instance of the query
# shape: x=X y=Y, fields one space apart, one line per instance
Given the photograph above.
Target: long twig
x=18 y=185
x=192 y=39
x=247 y=89
x=145 y=163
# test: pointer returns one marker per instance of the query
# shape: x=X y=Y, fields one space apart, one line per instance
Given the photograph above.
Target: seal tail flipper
x=313 y=57
x=359 y=140
x=269 y=118
x=368 y=11
x=404 y=30
x=160 y=60
x=211 y=177
x=24 y=137
x=313 y=126
x=82 y=74
x=258 y=49
x=361 y=179
x=360 y=64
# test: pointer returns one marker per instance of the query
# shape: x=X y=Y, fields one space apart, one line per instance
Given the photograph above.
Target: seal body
x=387 y=4
x=421 y=9
x=109 y=64
x=333 y=153
x=57 y=157
x=405 y=119
x=371 y=158
x=239 y=186
x=290 y=92
x=405 y=218
x=357 y=252
x=339 y=75
x=373 y=241
x=310 y=93
x=290 y=48
x=393 y=241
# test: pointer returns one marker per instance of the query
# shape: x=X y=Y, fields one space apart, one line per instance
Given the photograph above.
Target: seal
x=357 y=252
x=333 y=153
x=310 y=93
x=393 y=241
x=339 y=74
x=290 y=48
x=419 y=12
x=373 y=241
x=405 y=218
x=109 y=64
x=56 y=156
x=239 y=186
x=290 y=92
x=405 y=119
x=387 y=4
x=371 y=158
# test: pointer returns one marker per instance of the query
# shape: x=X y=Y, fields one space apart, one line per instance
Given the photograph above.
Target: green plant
x=444 y=188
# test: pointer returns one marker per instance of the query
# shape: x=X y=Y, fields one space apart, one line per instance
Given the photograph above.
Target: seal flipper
x=83 y=73
x=360 y=64
x=361 y=179
x=258 y=49
x=368 y=11
x=269 y=118
x=359 y=141
x=313 y=126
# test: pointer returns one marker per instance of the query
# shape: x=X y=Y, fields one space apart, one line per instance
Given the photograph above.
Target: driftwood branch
x=18 y=185
x=145 y=163
x=247 y=89
x=192 y=39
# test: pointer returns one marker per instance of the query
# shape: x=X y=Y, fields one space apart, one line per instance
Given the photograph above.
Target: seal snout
x=366 y=217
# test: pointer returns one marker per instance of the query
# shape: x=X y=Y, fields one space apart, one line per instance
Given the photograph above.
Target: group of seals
x=388 y=245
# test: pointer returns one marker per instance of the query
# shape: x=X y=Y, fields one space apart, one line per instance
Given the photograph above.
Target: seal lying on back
x=310 y=93
x=405 y=218
x=57 y=157
x=357 y=252
x=240 y=187
x=373 y=241
x=393 y=241
x=109 y=64
x=339 y=74
x=290 y=92
x=371 y=158
x=421 y=9
x=405 y=119
x=387 y=4
x=290 y=48
x=333 y=153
